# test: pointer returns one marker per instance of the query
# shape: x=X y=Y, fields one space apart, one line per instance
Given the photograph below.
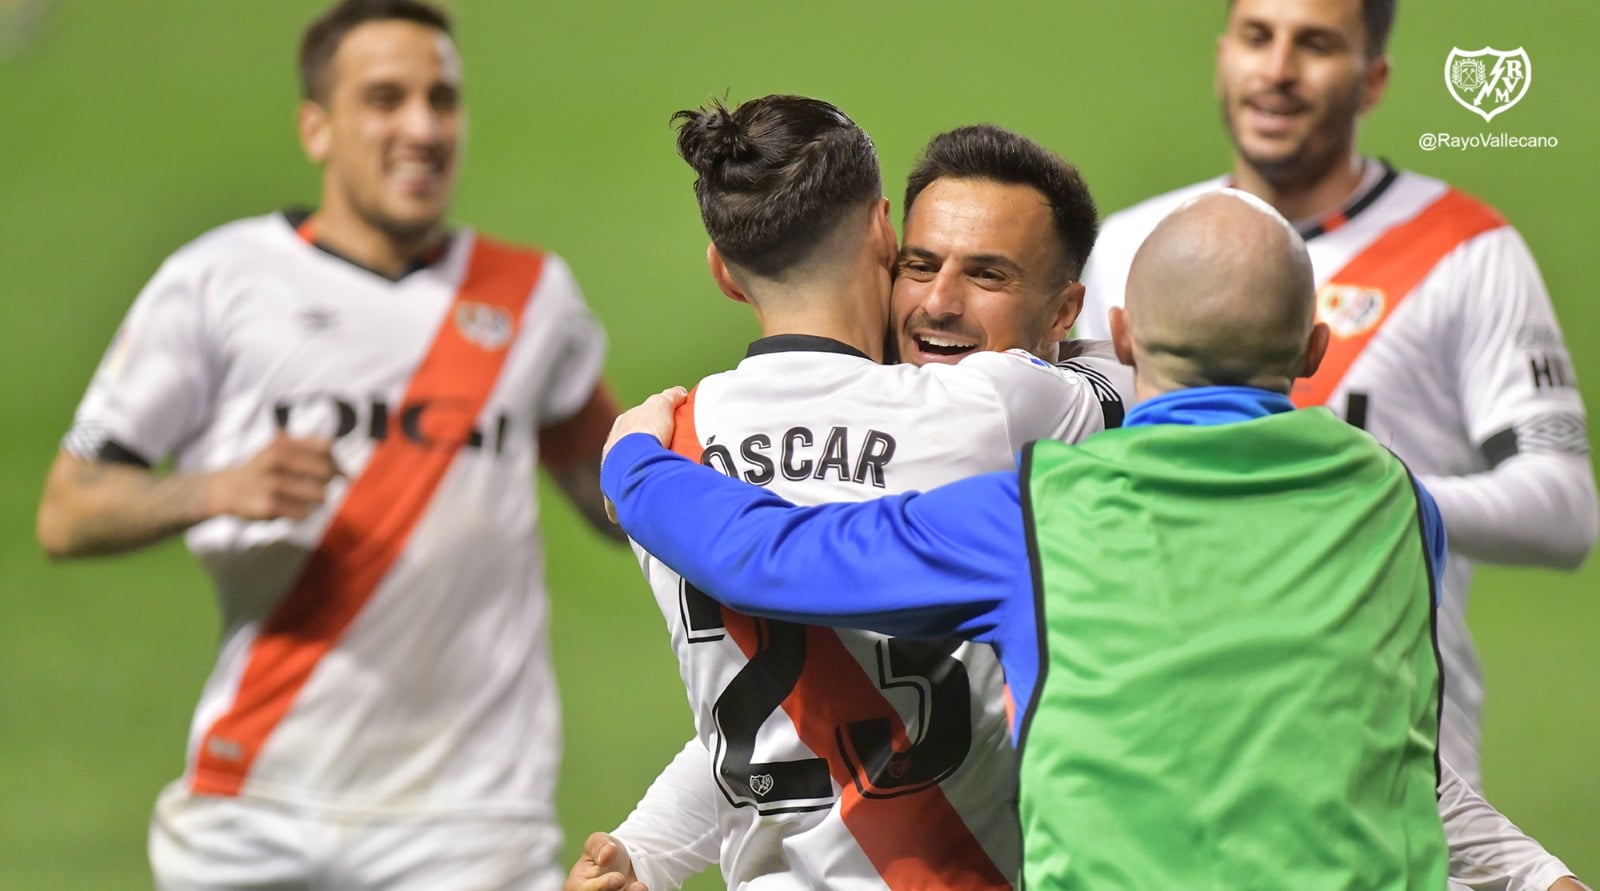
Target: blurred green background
x=126 y=129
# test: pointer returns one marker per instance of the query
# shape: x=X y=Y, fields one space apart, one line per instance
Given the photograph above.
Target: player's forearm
x=673 y=832
x=945 y=562
x=1536 y=508
x=91 y=508
x=581 y=484
x=1487 y=851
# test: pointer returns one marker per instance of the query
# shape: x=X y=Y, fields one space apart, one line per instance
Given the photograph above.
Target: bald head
x=1221 y=293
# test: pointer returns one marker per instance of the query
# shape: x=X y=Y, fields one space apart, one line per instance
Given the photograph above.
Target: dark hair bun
x=711 y=139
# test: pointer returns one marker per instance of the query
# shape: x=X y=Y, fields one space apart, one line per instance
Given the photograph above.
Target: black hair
x=322 y=37
x=775 y=176
x=987 y=152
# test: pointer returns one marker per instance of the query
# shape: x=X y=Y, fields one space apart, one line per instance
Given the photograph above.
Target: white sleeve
x=581 y=343
x=1535 y=509
x=1112 y=381
x=1487 y=851
x=1520 y=404
x=153 y=389
x=1038 y=399
x=673 y=831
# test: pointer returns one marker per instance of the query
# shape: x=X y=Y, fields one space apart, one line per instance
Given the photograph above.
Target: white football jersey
x=847 y=759
x=388 y=654
x=1444 y=346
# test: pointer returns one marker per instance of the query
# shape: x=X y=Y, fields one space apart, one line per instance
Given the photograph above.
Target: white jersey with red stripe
x=1457 y=368
x=412 y=677
x=846 y=759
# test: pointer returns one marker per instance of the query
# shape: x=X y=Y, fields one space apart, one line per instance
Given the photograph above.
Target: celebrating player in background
x=851 y=784
x=1444 y=343
x=354 y=400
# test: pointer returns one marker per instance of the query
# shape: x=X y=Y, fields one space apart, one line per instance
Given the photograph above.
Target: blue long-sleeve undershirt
x=950 y=561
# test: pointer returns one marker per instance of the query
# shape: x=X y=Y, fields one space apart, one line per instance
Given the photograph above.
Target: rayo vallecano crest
x=1488 y=81
x=1349 y=310
x=487 y=326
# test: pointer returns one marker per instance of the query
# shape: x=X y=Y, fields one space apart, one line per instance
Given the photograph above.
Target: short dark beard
x=1301 y=170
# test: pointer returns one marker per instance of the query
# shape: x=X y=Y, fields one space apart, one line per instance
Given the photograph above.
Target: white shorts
x=209 y=843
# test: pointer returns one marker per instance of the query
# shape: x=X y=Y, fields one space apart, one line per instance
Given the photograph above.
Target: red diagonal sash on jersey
x=370 y=529
x=1394 y=265
x=914 y=841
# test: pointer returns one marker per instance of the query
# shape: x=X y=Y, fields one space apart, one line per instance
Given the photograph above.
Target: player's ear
x=1373 y=83
x=1069 y=303
x=888 y=244
x=1121 y=340
x=721 y=275
x=1316 y=347
x=316 y=138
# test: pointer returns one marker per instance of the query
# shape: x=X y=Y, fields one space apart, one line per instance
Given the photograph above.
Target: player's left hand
x=652 y=416
x=604 y=866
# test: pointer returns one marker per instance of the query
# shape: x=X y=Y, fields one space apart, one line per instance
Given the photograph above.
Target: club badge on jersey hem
x=371 y=526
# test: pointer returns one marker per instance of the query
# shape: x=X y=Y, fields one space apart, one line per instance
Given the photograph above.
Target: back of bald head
x=1221 y=294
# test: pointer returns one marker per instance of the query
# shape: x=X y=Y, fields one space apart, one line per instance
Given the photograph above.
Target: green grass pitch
x=129 y=128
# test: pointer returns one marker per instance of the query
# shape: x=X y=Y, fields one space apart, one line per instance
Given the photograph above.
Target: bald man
x=1215 y=622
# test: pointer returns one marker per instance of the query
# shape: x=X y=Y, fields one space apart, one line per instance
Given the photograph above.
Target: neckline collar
x=299 y=219
x=1375 y=181
x=1206 y=406
x=802 y=343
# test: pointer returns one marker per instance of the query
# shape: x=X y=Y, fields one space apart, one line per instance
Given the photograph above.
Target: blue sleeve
x=951 y=561
x=1433 y=533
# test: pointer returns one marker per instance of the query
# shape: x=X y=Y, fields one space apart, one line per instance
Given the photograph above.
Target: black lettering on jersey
x=834 y=455
x=378 y=424
x=1552 y=371
x=718 y=458
x=1355 y=409
x=794 y=439
x=754 y=462
x=702 y=616
x=349 y=414
x=753 y=450
x=944 y=696
x=875 y=455
x=758 y=690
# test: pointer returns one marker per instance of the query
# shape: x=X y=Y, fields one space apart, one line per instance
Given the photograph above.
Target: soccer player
x=354 y=400
x=1444 y=342
x=849 y=759
x=1159 y=606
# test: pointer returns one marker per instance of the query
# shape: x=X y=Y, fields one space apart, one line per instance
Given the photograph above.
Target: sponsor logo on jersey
x=225 y=749
x=336 y=417
x=1349 y=310
x=487 y=326
x=316 y=319
x=1487 y=81
x=1551 y=371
